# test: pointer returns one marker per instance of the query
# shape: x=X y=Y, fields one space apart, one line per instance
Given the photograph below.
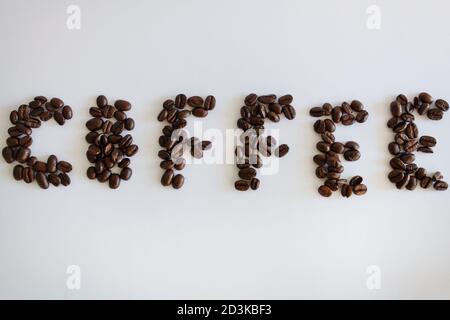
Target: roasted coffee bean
x=323 y=146
x=254 y=184
x=435 y=114
x=362 y=116
x=421 y=173
x=440 y=185
x=437 y=176
x=28 y=175
x=131 y=150
x=325 y=191
x=281 y=151
x=180 y=163
x=425 y=97
x=52 y=164
x=242 y=185
x=426 y=182
x=441 y=104
x=327 y=108
x=411 y=146
x=167 y=177
x=427 y=141
x=346 y=190
x=42 y=181
x=336 y=114
x=199 y=112
x=102 y=101
x=122 y=105
x=163 y=154
x=67 y=112
x=22 y=155
x=169 y=104
x=57 y=103
x=396 y=163
x=59 y=118
x=347 y=119
x=396 y=109
x=355 y=181
x=12 y=142
x=285 y=100
x=251 y=99
x=18 y=172
x=424 y=107
x=91 y=173
x=247 y=173
x=402 y=99
x=195 y=102
x=337 y=147
x=180 y=101
x=267 y=99
x=408 y=158
x=109 y=111
x=289 y=112
x=118 y=127
x=126 y=173
x=317 y=112
x=14 y=117
x=64 y=166
x=352 y=155
x=40 y=166
x=94 y=124
x=332 y=184
x=412 y=183
x=360 y=189
x=54 y=179
x=178 y=181
x=129 y=124
x=210 y=103
x=65 y=179
x=125 y=162
x=114 y=181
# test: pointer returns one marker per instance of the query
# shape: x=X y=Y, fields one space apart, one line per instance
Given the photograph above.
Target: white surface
x=207 y=240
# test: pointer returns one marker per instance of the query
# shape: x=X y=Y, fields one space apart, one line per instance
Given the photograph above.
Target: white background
x=208 y=240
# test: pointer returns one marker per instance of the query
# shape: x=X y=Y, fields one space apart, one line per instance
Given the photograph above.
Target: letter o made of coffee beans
x=18 y=145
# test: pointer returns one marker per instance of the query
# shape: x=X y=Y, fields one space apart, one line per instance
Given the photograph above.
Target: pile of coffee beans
x=174 y=139
x=26 y=118
x=405 y=173
x=254 y=143
x=329 y=166
x=109 y=146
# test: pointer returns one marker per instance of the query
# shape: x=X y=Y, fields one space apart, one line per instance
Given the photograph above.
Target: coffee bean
x=441 y=104
x=425 y=97
x=42 y=180
x=22 y=155
x=199 y=112
x=352 y=155
x=412 y=183
x=396 y=109
x=210 y=103
x=167 y=177
x=242 y=185
x=317 y=112
x=285 y=100
x=64 y=166
x=440 y=185
x=18 y=172
x=427 y=141
x=281 y=151
x=362 y=116
x=289 y=112
x=177 y=181
x=325 y=191
x=67 y=112
x=251 y=99
x=426 y=182
x=114 y=181
x=54 y=179
x=267 y=99
x=102 y=101
x=435 y=114
x=94 y=124
x=56 y=103
x=247 y=173
x=126 y=173
x=180 y=101
x=65 y=179
x=346 y=191
x=122 y=105
x=359 y=189
x=195 y=102
x=356 y=180
x=7 y=154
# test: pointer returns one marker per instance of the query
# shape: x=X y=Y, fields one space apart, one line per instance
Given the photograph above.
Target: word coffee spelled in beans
x=255 y=144
x=26 y=118
x=329 y=166
x=405 y=173
x=109 y=146
x=174 y=139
